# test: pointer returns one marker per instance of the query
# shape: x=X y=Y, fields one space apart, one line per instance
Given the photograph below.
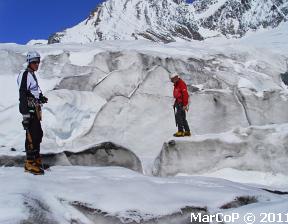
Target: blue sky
x=23 y=20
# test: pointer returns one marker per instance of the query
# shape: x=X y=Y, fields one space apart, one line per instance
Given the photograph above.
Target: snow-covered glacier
x=110 y=104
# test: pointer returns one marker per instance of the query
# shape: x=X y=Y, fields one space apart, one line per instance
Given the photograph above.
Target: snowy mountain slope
x=233 y=18
x=132 y=20
x=170 y=20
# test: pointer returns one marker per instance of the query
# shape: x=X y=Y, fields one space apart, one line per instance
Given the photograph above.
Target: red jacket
x=180 y=92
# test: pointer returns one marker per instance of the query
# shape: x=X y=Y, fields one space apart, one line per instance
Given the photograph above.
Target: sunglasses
x=35 y=62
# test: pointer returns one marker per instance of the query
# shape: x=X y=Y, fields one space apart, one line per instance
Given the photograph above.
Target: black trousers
x=181 y=118
x=36 y=134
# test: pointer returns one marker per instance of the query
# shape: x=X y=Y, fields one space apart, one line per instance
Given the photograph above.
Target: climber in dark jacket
x=31 y=99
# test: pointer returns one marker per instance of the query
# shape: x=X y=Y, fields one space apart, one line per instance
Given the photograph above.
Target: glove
x=43 y=99
x=26 y=121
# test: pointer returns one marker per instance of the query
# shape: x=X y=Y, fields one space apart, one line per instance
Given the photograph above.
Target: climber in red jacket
x=181 y=96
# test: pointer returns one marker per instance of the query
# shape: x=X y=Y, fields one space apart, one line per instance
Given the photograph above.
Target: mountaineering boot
x=41 y=165
x=38 y=161
x=179 y=134
x=32 y=167
x=187 y=133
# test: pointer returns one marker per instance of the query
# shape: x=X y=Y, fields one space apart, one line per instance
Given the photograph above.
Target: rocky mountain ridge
x=174 y=20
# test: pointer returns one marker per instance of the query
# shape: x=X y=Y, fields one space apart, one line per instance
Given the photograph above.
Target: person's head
x=174 y=77
x=33 y=60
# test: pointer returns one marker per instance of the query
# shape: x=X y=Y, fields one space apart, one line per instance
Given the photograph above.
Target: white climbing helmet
x=32 y=56
x=173 y=75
